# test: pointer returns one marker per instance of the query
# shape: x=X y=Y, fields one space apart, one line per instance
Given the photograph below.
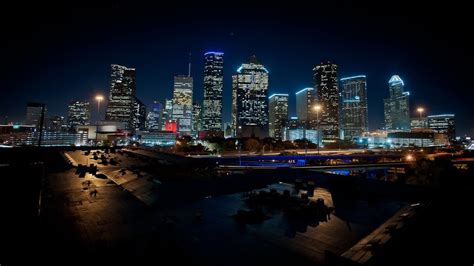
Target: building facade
x=328 y=96
x=197 y=120
x=167 y=113
x=354 y=116
x=443 y=124
x=396 y=107
x=139 y=115
x=121 y=103
x=250 y=100
x=183 y=103
x=78 y=114
x=154 y=116
x=213 y=91
x=33 y=114
x=277 y=114
x=305 y=99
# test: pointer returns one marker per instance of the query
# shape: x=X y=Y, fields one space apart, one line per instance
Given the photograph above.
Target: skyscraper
x=183 y=103
x=354 y=106
x=278 y=114
x=154 y=117
x=78 y=114
x=139 y=115
x=396 y=107
x=327 y=90
x=305 y=99
x=167 y=113
x=250 y=99
x=122 y=96
x=212 y=103
x=33 y=114
x=443 y=124
x=197 y=119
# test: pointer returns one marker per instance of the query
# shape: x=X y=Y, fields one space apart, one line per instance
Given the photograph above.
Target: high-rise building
x=167 y=113
x=183 y=103
x=327 y=90
x=305 y=99
x=197 y=120
x=122 y=96
x=139 y=115
x=57 y=123
x=213 y=83
x=250 y=100
x=33 y=114
x=154 y=117
x=396 y=107
x=78 y=114
x=354 y=107
x=443 y=124
x=278 y=114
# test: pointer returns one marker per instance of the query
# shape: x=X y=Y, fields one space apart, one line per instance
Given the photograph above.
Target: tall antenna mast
x=189 y=65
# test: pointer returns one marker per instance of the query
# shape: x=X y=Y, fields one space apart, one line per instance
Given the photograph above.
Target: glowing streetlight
x=317 y=108
x=420 y=110
x=99 y=98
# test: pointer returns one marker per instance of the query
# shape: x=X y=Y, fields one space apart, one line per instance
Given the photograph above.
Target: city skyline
x=375 y=53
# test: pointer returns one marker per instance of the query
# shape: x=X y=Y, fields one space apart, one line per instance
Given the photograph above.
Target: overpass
x=316 y=168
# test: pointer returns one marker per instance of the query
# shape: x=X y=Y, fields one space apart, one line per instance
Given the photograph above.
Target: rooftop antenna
x=189 y=65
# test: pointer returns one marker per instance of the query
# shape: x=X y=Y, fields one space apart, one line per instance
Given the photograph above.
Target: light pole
x=317 y=108
x=99 y=98
x=420 y=110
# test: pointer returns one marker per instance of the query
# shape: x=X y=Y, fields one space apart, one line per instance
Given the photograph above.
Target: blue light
x=305 y=89
x=357 y=98
x=216 y=53
x=360 y=140
x=239 y=69
x=278 y=94
x=16 y=126
x=353 y=77
x=442 y=115
x=294 y=117
x=395 y=80
x=266 y=70
x=407 y=93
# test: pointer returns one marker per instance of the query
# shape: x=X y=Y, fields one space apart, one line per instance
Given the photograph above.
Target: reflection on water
x=207 y=231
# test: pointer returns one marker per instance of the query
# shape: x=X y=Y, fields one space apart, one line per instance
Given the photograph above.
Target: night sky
x=54 y=53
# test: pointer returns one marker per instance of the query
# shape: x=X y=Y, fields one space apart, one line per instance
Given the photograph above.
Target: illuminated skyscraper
x=212 y=103
x=154 y=117
x=278 y=114
x=444 y=124
x=197 y=119
x=122 y=96
x=183 y=103
x=327 y=90
x=78 y=114
x=250 y=100
x=396 y=107
x=354 y=106
x=139 y=115
x=305 y=99
x=167 y=113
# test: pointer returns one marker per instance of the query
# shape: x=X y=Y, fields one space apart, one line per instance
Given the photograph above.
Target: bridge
x=362 y=166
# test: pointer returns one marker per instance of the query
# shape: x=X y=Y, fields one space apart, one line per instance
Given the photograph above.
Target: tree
x=252 y=145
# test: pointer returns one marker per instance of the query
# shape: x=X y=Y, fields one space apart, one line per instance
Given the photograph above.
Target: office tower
x=396 y=107
x=183 y=103
x=167 y=113
x=327 y=90
x=139 y=115
x=354 y=107
x=277 y=114
x=250 y=100
x=213 y=83
x=57 y=123
x=197 y=120
x=122 y=96
x=154 y=117
x=78 y=114
x=443 y=124
x=33 y=114
x=305 y=99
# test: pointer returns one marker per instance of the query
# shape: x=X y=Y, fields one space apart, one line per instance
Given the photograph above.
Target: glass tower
x=213 y=83
x=354 y=106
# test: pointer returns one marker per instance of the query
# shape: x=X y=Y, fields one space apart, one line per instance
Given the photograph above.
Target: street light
x=420 y=110
x=99 y=98
x=317 y=108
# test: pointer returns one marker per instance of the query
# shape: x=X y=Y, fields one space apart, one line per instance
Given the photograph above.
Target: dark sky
x=55 y=53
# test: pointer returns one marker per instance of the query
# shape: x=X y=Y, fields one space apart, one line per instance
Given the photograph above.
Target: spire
x=189 y=65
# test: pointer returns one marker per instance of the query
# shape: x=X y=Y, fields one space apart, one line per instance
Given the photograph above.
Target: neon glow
x=305 y=89
x=396 y=80
x=278 y=94
x=216 y=53
x=353 y=77
x=442 y=115
x=239 y=69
